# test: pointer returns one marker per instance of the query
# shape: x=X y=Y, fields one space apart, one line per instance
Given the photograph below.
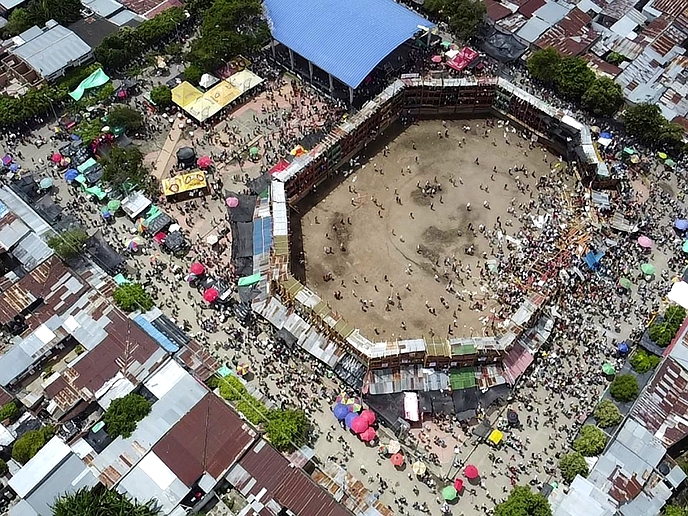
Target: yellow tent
x=223 y=93
x=185 y=94
x=203 y=108
x=496 y=437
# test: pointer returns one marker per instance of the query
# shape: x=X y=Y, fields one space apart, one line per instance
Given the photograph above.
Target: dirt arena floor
x=386 y=256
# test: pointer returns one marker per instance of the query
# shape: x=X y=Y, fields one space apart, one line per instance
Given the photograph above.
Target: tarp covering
x=97 y=78
x=184 y=183
x=185 y=94
x=465 y=403
x=249 y=280
x=90 y=162
x=463 y=59
x=502 y=46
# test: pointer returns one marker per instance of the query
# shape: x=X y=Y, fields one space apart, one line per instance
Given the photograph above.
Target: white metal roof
x=165 y=379
x=39 y=467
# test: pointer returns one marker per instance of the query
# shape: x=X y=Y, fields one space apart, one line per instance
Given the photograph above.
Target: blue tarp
x=346 y=38
x=157 y=335
x=592 y=260
x=262 y=235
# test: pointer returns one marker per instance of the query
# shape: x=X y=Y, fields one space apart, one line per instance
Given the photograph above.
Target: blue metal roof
x=262 y=235
x=346 y=38
x=156 y=334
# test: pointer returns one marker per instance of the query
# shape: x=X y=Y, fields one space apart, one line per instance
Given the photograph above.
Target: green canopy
x=449 y=493
x=648 y=269
x=628 y=150
x=224 y=371
x=86 y=165
x=446 y=44
x=625 y=283
x=120 y=279
x=249 y=280
x=97 y=191
x=97 y=78
x=81 y=179
x=114 y=205
x=608 y=369
x=253 y=151
x=670 y=163
x=105 y=209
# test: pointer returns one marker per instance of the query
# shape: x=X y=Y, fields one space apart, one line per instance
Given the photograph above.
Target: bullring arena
x=337 y=182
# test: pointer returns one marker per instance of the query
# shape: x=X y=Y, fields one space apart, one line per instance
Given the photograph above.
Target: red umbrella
x=458 y=484
x=211 y=295
x=56 y=157
x=204 y=161
x=397 y=459
x=471 y=472
x=197 y=268
x=369 y=416
x=436 y=59
x=368 y=435
x=359 y=425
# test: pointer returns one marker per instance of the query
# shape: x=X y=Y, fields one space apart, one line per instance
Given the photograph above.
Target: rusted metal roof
x=496 y=11
x=529 y=7
x=198 y=359
x=601 y=66
x=210 y=438
x=5 y=397
x=668 y=39
x=672 y=8
x=263 y=470
x=653 y=29
x=571 y=36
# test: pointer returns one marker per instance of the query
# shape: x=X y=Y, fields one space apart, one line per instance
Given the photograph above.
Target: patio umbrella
x=436 y=59
x=681 y=224
x=623 y=348
x=608 y=369
x=14 y=167
x=645 y=242
x=670 y=163
x=359 y=425
x=134 y=243
x=46 y=183
x=512 y=417
x=242 y=369
x=354 y=405
x=625 y=283
x=368 y=435
x=471 y=472
x=369 y=416
x=232 y=202
x=393 y=447
x=114 y=205
x=419 y=467
x=340 y=411
x=7 y=159
x=197 y=268
x=341 y=398
x=458 y=484
x=71 y=175
x=211 y=295
x=662 y=155
x=449 y=493
x=253 y=152
x=211 y=239
x=56 y=157
x=635 y=159
x=349 y=419
x=105 y=212
x=204 y=161
x=648 y=269
x=397 y=459
x=174 y=227
x=685 y=246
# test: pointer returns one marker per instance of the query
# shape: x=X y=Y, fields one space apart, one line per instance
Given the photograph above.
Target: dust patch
x=420 y=199
x=341 y=230
x=434 y=234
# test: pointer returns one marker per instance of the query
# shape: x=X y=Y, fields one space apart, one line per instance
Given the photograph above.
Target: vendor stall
x=134 y=204
x=185 y=185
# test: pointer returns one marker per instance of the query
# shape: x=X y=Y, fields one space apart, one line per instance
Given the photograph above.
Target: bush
x=232 y=389
x=591 y=441
x=642 y=361
x=624 y=388
x=161 y=96
x=3 y=467
x=68 y=244
x=9 y=411
x=30 y=443
x=573 y=464
x=287 y=429
x=607 y=414
x=523 y=502
x=132 y=296
x=99 y=500
x=663 y=332
x=124 y=413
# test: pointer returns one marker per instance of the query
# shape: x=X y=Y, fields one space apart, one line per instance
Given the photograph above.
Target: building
x=51 y=50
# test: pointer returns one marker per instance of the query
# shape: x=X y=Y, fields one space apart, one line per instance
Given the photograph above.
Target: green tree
x=543 y=65
x=100 y=501
x=463 y=16
x=572 y=464
x=607 y=414
x=287 y=428
x=675 y=510
x=574 y=78
x=193 y=73
x=30 y=443
x=615 y=58
x=124 y=116
x=644 y=121
x=591 y=441
x=89 y=129
x=671 y=136
x=604 y=97
x=132 y=296
x=68 y=244
x=624 y=388
x=253 y=410
x=232 y=389
x=642 y=361
x=663 y=331
x=523 y=502
x=3 y=467
x=19 y=20
x=125 y=165
x=118 y=49
x=161 y=96
x=9 y=411
x=124 y=413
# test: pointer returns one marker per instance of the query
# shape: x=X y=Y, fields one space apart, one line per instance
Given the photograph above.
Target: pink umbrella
x=359 y=425
x=211 y=295
x=368 y=435
x=397 y=459
x=197 y=268
x=369 y=416
x=232 y=202
x=471 y=472
x=458 y=484
x=644 y=242
x=56 y=157
x=436 y=59
x=204 y=161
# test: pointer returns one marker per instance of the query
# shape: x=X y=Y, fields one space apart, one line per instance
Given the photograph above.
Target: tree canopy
x=604 y=97
x=663 y=331
x=573 y=464
x=131 y=297
x=124 y=116
x=607 y=414
x=124 y=413
x=9 y=411
x=463 y=16
x=590 y=442
x=287 y=428
x=37 y=12
x=574 y=78
x=30 y=443
x=646 y=122
x=68 y=244
x=642 y=361
x=125 y=165
x=100 y=501
x=523 y=502
x=544 y=64
x=624 y=388
x=161 y=96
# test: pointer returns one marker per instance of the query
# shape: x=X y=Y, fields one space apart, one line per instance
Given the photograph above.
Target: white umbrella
x=175 y=227
x=393 y=447
x=211 y=239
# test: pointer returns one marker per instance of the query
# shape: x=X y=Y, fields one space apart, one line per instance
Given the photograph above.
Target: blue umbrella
x=340 y=411
x=623 y=348
x=681 y=224
x=71 y=174
x=14 y=167
x=608 y=136
x=349 y=418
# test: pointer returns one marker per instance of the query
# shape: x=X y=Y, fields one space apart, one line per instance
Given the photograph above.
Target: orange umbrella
x=397 y=459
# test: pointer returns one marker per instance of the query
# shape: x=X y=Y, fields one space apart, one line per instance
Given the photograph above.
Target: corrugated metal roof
x=12 y=230
x=347 y=39
x=571 y=36
x=39 y=467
